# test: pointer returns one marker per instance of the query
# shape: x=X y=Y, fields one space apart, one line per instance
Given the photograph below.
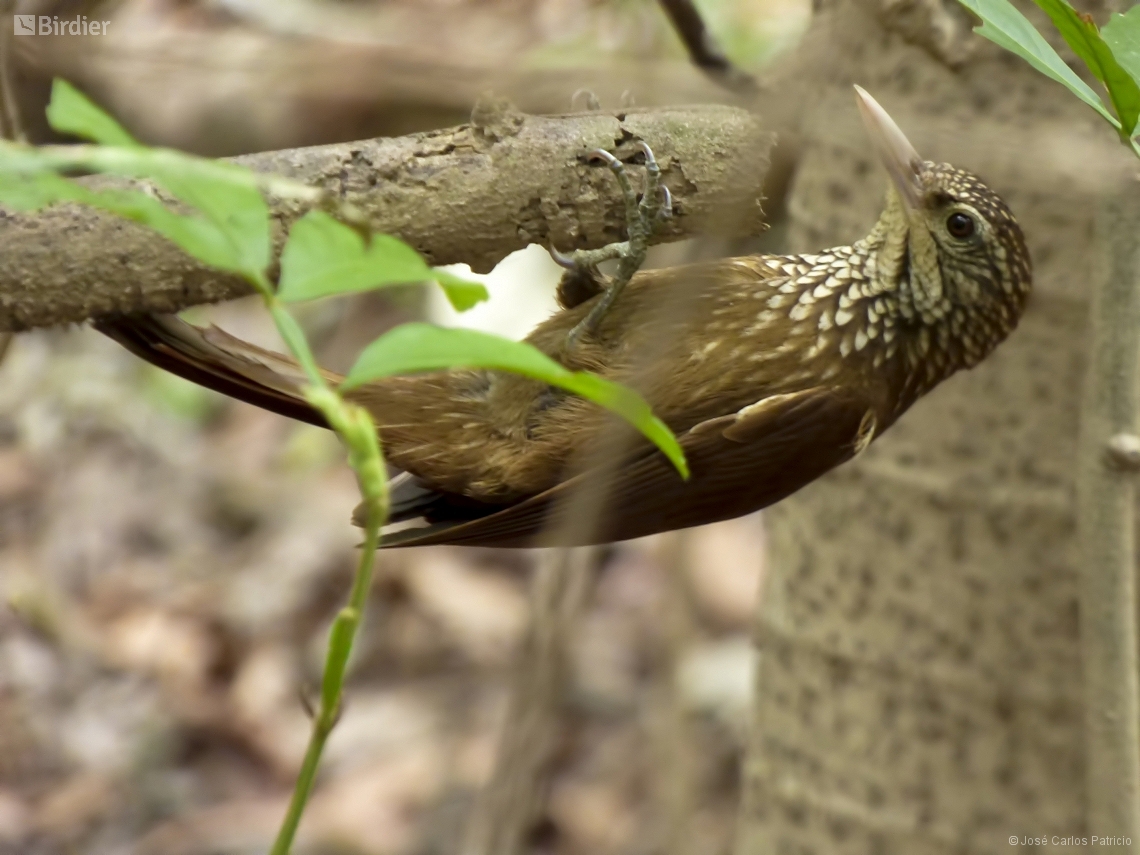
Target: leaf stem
x=356 y=429
x=341 y=638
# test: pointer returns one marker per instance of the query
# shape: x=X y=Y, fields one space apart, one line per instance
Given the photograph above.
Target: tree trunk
x=1106 y=521
x=919 y=687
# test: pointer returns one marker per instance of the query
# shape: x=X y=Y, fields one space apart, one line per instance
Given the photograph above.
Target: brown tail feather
x=217 y=360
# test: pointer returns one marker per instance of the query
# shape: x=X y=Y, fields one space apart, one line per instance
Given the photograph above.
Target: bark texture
x=448 y=193
x=1107 y=522
x=919 y=688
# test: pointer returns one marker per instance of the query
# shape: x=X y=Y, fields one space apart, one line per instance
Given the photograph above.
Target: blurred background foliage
x=232 y=76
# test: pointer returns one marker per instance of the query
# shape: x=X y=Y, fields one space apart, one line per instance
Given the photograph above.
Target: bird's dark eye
x=960 y=225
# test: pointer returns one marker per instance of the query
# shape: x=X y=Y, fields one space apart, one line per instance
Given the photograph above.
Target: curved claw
x=627 y=99
x=650 y=160
x=611 y=161
x=666 y=211
x=566 y=261
x=592 y=102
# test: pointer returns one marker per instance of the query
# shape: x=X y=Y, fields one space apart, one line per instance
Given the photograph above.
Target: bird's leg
x=583 y=280
x=580 y=282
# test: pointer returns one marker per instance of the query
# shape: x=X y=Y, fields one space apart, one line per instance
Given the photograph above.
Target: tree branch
x=704 y=50
x=472 y=193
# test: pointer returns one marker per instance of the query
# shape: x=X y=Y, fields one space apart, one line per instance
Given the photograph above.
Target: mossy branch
x=472 y=193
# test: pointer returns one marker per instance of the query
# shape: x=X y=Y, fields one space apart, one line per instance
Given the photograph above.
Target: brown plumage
x=771 y=370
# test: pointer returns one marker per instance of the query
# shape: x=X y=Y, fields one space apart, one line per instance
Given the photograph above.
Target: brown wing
x=217 y=360
x=739 y=463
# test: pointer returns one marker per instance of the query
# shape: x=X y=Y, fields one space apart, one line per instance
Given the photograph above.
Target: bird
x=770 y=369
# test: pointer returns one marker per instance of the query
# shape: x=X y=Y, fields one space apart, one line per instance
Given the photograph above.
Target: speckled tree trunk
x=919 y=687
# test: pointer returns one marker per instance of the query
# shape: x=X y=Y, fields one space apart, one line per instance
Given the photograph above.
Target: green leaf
x=1006 y=26
x=324 y=257
x=1084 y=38
x=233 y=232
x=413 y=348
x=463 y=294
x=70 y=112
x=227 y=200
x=225 y=194
x=30 y=191
x=24 y=191
x=1122 y=33
x=298 y=345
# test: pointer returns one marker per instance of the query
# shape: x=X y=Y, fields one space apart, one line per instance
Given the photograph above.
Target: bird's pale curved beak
x=894 y=149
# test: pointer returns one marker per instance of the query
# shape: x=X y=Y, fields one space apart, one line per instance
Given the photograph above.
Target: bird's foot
x=592 y=102
x=582 y=279
x=593 y=105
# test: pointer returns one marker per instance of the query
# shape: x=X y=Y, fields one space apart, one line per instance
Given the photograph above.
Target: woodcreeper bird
x=771 y=370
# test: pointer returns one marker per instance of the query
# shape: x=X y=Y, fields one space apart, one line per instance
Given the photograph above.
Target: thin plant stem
x=327 y=716
x=305 y=779
x=356 y=429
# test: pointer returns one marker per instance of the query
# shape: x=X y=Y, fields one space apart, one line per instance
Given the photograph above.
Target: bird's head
x=948 y=245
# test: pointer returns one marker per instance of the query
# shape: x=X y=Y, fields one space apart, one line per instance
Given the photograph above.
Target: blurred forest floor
x=170 y=561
